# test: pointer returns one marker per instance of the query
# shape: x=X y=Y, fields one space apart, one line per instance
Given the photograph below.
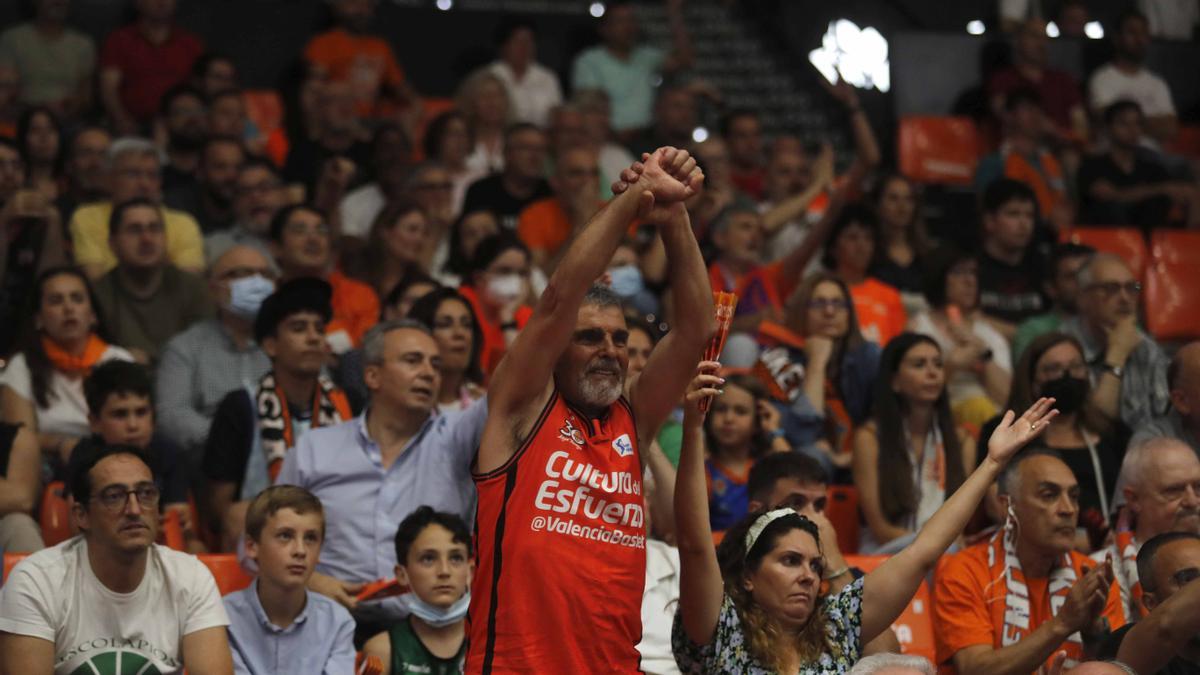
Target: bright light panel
x=860 y=55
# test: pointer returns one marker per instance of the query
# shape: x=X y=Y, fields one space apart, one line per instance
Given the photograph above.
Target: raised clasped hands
x=665 y=179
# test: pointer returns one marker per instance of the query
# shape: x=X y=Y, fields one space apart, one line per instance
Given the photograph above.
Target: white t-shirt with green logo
x=54 y=595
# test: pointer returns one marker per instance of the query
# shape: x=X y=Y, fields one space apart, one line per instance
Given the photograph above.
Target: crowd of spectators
x=327 y=348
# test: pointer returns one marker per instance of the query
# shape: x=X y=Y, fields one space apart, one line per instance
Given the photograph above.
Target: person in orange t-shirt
x=547 y=224
x=738 y=235
x=849 y=252
x=1010 y=603
x=301 y=244
x=1022 y=157
x=348 y=53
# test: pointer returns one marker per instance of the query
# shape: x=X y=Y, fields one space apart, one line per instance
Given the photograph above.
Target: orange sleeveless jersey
x=560 y=550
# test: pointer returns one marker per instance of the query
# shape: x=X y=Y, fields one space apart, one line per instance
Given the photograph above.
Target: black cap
x=306 y=294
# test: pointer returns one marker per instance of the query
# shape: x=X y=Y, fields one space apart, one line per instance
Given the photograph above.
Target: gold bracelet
x=836 y=573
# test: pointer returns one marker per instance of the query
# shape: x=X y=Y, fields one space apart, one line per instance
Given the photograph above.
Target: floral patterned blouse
x=728 y=652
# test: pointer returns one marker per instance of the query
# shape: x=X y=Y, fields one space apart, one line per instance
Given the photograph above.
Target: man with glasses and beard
x=560 y=521
x=110 y=600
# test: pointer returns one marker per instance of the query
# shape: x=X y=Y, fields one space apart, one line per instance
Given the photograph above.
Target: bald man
x=1160 y=486
x=1128 y=368
x=212 y=358
x=1100 y=668
x=1182 y=420
x=1166 y=642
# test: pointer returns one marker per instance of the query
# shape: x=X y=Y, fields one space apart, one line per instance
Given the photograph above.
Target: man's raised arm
x=523 y=377
x=672 y=363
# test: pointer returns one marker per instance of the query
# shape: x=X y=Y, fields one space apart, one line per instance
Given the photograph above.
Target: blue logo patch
x=623 y=445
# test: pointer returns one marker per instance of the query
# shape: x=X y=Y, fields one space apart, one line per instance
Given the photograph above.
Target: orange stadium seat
x=264 y=107
x=10 y=561
x=367 y=665
x=55 y=514
x=1169 y=298
x=171 y=534
x=842 y=510
x=1186 y=142
x=225 y=569
x=1127 y=242
x=942 y=150
x=914 y=626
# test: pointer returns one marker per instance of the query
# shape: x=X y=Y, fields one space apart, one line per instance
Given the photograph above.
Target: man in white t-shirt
x=532 y=87
x=110 y=600
x=1126 y=77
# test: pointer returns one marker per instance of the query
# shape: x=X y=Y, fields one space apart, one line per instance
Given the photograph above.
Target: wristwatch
x=1117 y=371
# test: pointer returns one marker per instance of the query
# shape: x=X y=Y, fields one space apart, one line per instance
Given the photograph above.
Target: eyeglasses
x=138 y=229
x=304 y=228
x=1111 y=288
x=434 y=186
x=824 y=304
x=243 y=272
x=1053 y=371
x=114 y=497
x=258 y=188
x=148 y=174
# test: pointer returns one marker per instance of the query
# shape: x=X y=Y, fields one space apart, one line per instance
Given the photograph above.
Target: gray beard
x=598 y=395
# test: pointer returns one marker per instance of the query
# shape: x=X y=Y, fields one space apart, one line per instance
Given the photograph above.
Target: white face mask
x=504 y=289
x=433 y=615
x=246 y=295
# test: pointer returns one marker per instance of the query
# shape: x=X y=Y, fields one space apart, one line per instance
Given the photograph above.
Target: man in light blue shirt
x=627 y=71
x=376 y=469
x=277 y=625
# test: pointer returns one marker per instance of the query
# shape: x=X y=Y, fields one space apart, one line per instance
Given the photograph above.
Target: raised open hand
x=1011 y=433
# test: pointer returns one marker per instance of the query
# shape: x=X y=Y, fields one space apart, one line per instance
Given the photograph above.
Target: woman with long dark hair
x=42 y=386
x=757 y=604
x=910 y=456
x=1054 y=365
x=449 y=141
x=399 y=240
x=459 y=338
x=902 y=238
x=497 y=285
x=40 y=138
x=465 y=234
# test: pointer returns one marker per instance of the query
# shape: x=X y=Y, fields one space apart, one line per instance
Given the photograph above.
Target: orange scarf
x=1126 y=566
x=71 y=365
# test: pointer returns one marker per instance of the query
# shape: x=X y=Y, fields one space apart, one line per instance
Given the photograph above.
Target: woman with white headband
x=756 y=605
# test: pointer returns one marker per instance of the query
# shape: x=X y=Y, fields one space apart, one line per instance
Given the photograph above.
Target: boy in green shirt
x=433 y=550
